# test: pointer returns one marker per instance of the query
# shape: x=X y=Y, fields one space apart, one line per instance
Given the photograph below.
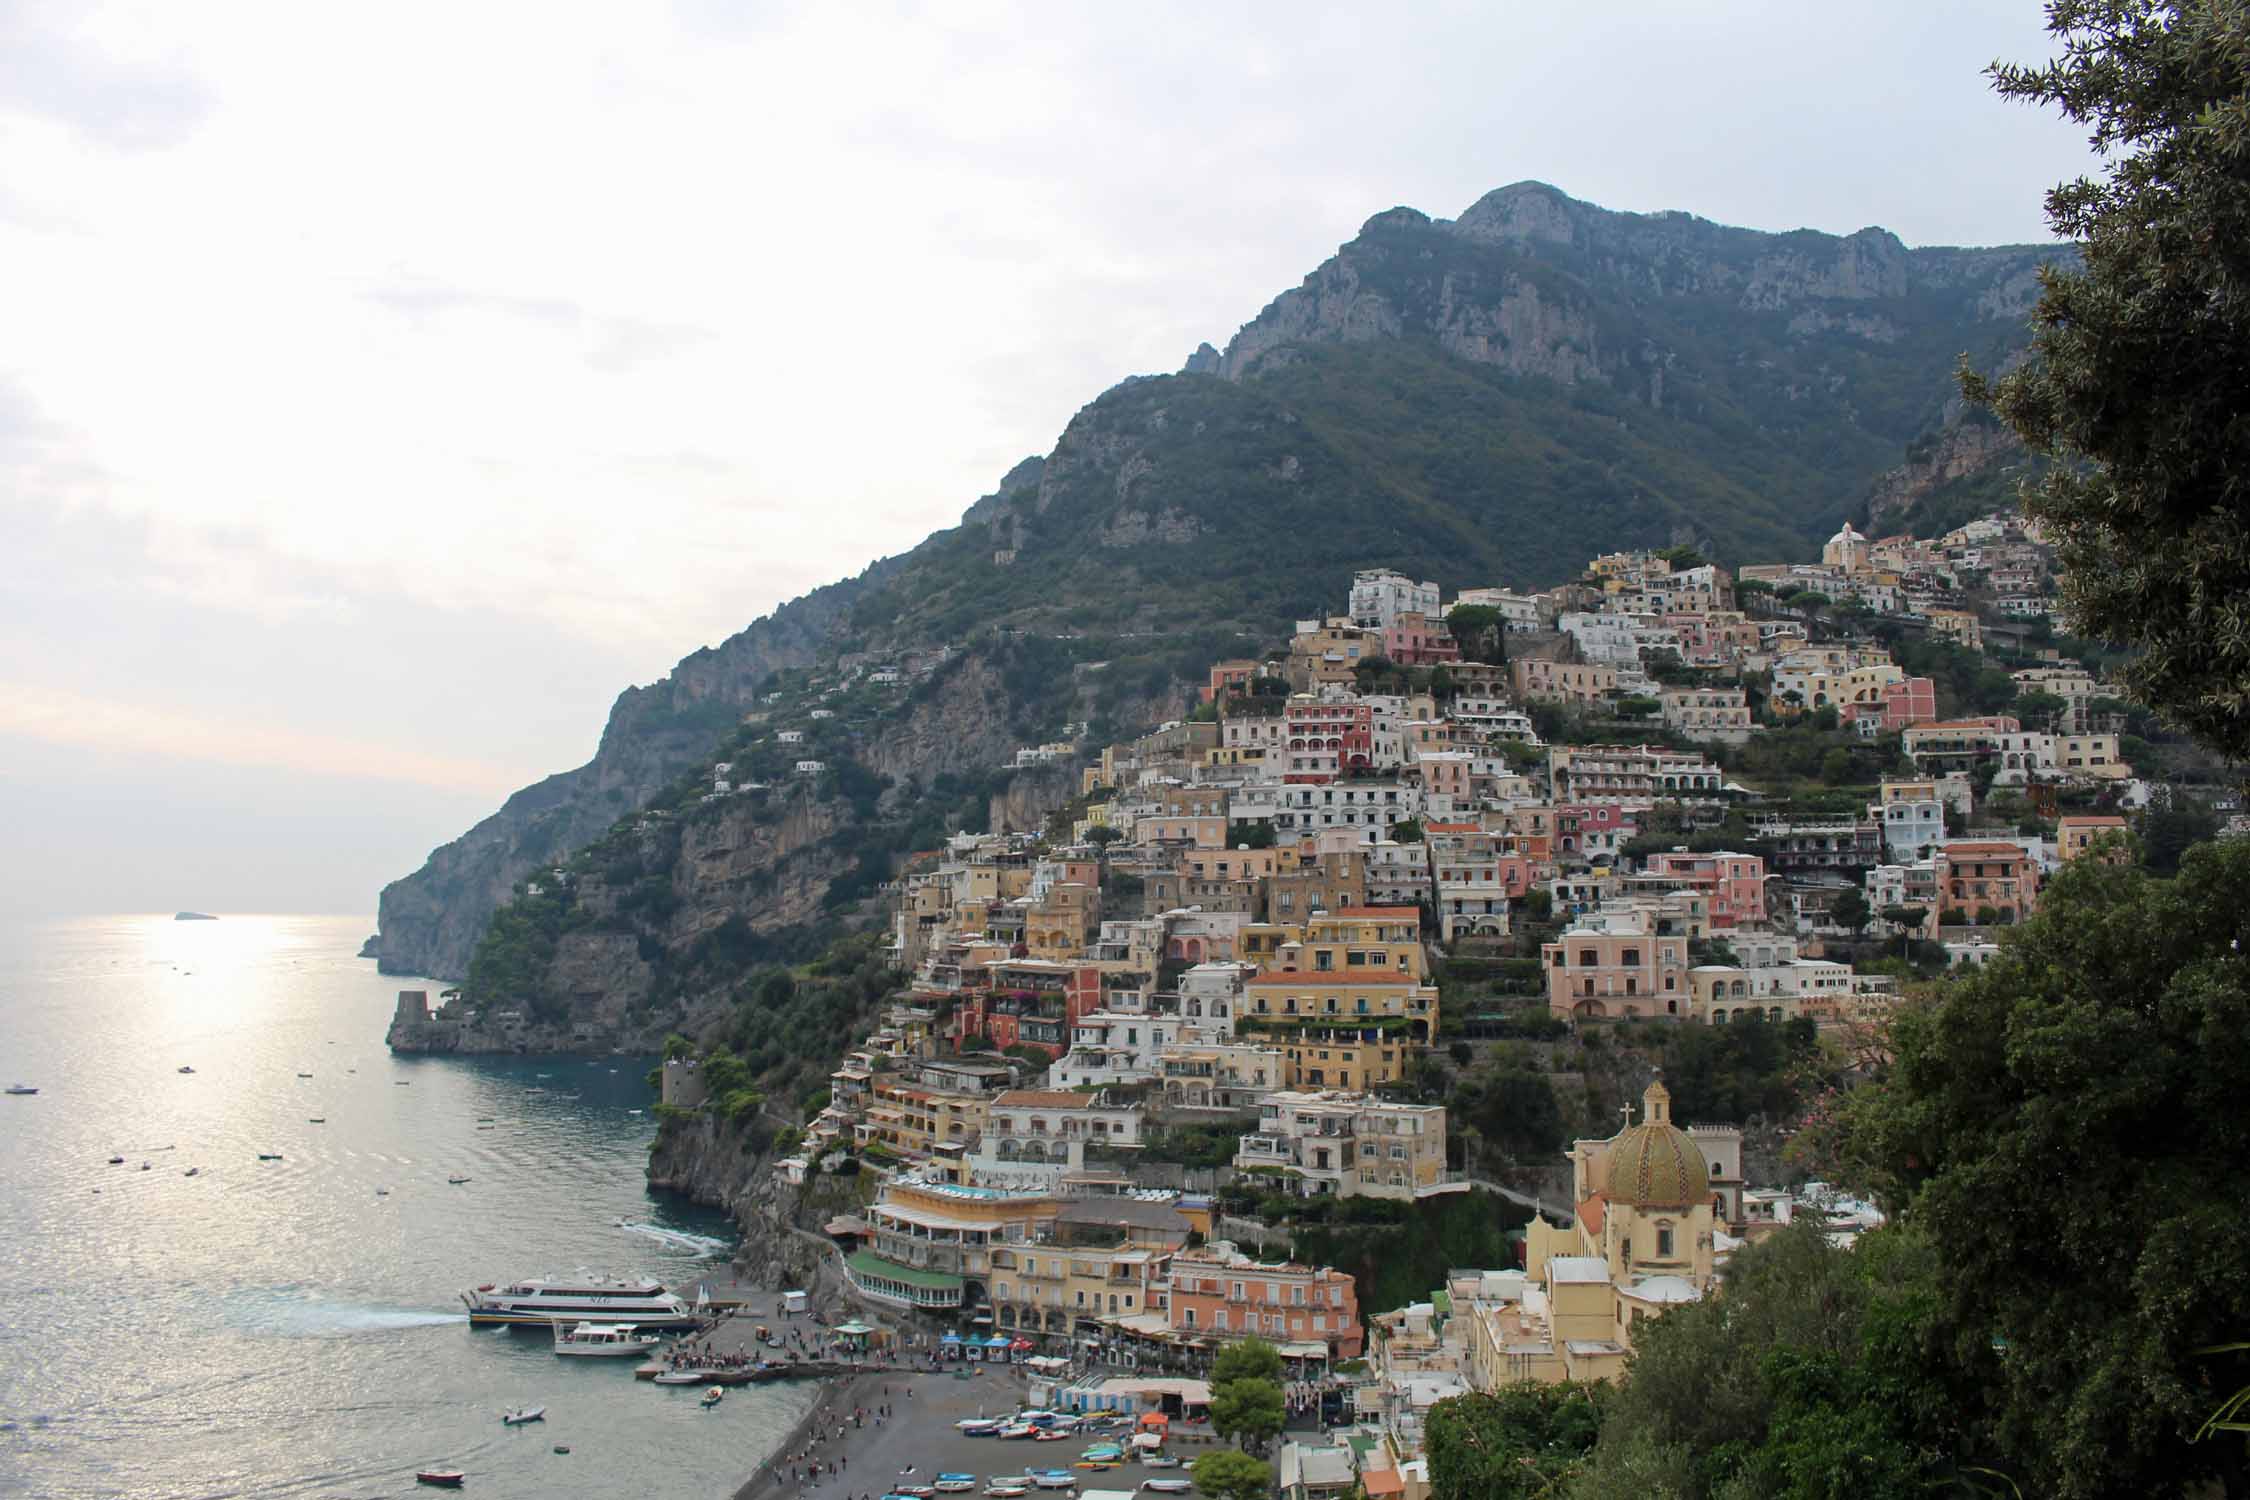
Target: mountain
x=1490 y=399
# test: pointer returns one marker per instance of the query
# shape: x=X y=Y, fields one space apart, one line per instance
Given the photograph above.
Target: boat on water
x=546 y=1300
x=304 y=1075
x=317 y=1120
x=117 y=1161
x=382 y=1192
x=955 y=1484
x=680 y=1377
x=269 y=1156
x=193 y=916
x=713 y=1396
x=522 y=1414
x=193 y=1172
x=144 y=1166
x=184 y=1068
x=604 y=1340
x=21 y=1090
x=456 y=1181
x=443 y=1478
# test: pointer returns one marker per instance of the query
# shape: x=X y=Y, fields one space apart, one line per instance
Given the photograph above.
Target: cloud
x=53 y=73
x=55 y=716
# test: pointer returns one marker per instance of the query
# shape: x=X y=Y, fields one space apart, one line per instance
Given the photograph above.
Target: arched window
x=1663 y=1242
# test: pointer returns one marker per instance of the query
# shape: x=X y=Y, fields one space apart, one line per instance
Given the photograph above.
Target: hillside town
x=1246 y=921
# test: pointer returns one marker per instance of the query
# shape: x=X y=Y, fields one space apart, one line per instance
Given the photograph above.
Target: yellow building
x=1646 y=1229
x=1348 y=1029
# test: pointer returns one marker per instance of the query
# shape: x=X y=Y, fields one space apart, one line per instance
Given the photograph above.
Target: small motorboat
x=444 y=1478
x=382 y=1192
x=456 y=1181
x=523 y=1414
x=1160 y=1461
x=1049 y=1435
x=1007 y=1491
x=955 y=1484
x=978 y=1426
x=713 y=1396
x=22 y=1090
x=1168 y=1486
x=144 y=1166
x=304 y=1075
x=404 y=1083
x=484 y=1119
x=562 y=1447
x=184 y=1068
x=117 y=1161
x=193 y=1172
x=1054 y=1479
x=317 y=1120
x=269 y=1156
x=680 y=1377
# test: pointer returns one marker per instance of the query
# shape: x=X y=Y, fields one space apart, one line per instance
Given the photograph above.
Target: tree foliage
x=2137 y=381
x=1519 y=1440
x=1227 y=1474
x=2066 y=1128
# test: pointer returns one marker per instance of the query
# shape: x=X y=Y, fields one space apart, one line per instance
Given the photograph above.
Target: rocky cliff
x=429 y=921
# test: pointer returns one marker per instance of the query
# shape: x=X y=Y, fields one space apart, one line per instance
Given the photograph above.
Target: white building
x=1380 y=596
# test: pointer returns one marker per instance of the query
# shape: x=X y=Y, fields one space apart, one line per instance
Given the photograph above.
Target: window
x=1663 y=1242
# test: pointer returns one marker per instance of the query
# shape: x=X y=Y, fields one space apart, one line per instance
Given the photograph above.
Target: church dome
x=1654 y=1164
x=1846 y=535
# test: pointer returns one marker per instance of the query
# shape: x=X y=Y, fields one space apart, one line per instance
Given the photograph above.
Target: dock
x=751 y=1339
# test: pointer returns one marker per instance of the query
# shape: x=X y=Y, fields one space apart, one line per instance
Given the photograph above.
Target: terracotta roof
x=1344 y=976
x=2088 y=820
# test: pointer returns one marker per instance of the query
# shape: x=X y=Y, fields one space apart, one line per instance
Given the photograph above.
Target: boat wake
x=292 y=1318
x=701 y=1245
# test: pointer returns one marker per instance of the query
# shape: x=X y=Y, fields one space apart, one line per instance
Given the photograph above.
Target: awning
x=1148 y=1439
x=997 y=1341
x=1304 y=1351
x=951 y=1338
x=1155 y=1419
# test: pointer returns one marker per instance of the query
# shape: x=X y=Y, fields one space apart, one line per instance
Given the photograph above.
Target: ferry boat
x=603 y=1340
x=545 y=1301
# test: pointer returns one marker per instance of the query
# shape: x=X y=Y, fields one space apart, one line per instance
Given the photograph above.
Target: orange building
x=1225 y=1294
x=1972 y=876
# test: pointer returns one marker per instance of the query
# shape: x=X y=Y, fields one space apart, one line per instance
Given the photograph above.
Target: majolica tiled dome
x=1654 y=1164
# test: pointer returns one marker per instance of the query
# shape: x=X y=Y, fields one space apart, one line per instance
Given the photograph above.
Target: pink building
x=1580 y=825
x=1910 y=701
x=1412 y=641
x=1734 y=883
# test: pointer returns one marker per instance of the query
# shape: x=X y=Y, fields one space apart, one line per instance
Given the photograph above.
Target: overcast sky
x=383 y=388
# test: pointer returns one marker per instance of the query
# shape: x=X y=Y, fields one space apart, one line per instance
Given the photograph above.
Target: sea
x=295 y=1327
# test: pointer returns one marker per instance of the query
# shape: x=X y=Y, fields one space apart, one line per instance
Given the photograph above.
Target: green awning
x=868 y=1263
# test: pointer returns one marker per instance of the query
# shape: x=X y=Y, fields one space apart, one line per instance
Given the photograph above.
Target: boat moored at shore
x=604 y=1340
x=544 y=1301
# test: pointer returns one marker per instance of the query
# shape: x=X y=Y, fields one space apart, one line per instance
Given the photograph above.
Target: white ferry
x=545 y=1301
x=600 y=1340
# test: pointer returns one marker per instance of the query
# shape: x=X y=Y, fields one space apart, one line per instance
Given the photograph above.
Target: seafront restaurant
x=902 y=1286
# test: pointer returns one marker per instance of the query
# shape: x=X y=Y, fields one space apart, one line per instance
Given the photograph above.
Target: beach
x=918 y=1440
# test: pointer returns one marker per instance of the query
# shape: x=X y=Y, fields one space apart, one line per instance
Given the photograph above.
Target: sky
x=385 y=388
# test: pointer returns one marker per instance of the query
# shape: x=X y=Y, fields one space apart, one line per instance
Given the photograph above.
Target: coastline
x=919 y=1435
